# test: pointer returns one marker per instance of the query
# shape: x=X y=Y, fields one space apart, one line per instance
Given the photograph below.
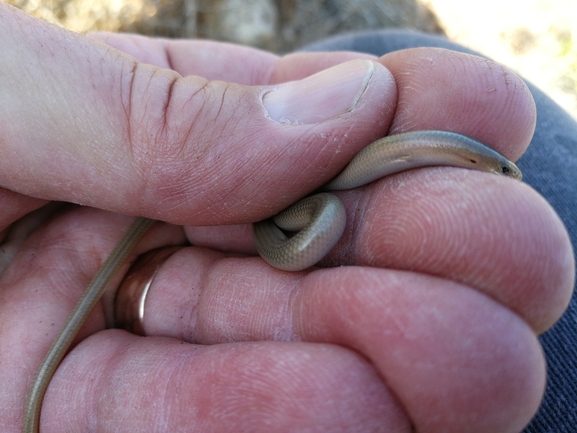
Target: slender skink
x=319 y=221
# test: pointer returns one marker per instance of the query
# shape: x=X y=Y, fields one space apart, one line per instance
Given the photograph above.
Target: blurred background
x=536 y=38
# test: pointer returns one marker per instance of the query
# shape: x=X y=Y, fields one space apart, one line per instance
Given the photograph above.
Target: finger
x=496 y=235
x=484 y=231
x=129 y=383
x=446 y=90
x=43 y=283
x=450 y=354
x=179 y=149
x=224 y=61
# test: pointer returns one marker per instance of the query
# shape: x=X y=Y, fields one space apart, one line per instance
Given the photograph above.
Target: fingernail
x=321 y=96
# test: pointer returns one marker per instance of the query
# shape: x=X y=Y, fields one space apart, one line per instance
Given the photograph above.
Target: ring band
x=132 y=292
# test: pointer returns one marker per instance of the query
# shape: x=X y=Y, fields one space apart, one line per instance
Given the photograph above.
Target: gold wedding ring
x=133 y=290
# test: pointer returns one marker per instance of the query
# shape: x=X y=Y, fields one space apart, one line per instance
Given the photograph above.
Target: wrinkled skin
x=431 y=325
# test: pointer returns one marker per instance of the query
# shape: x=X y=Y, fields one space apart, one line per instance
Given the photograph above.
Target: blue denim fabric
x=549 y=166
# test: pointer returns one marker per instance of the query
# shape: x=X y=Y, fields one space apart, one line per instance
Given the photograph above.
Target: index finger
x=451 y=91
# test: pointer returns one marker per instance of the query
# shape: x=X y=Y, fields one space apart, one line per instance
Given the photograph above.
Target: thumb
x=84 y=123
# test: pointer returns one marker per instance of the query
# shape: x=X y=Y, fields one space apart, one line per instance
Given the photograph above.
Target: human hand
x=434 y=327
